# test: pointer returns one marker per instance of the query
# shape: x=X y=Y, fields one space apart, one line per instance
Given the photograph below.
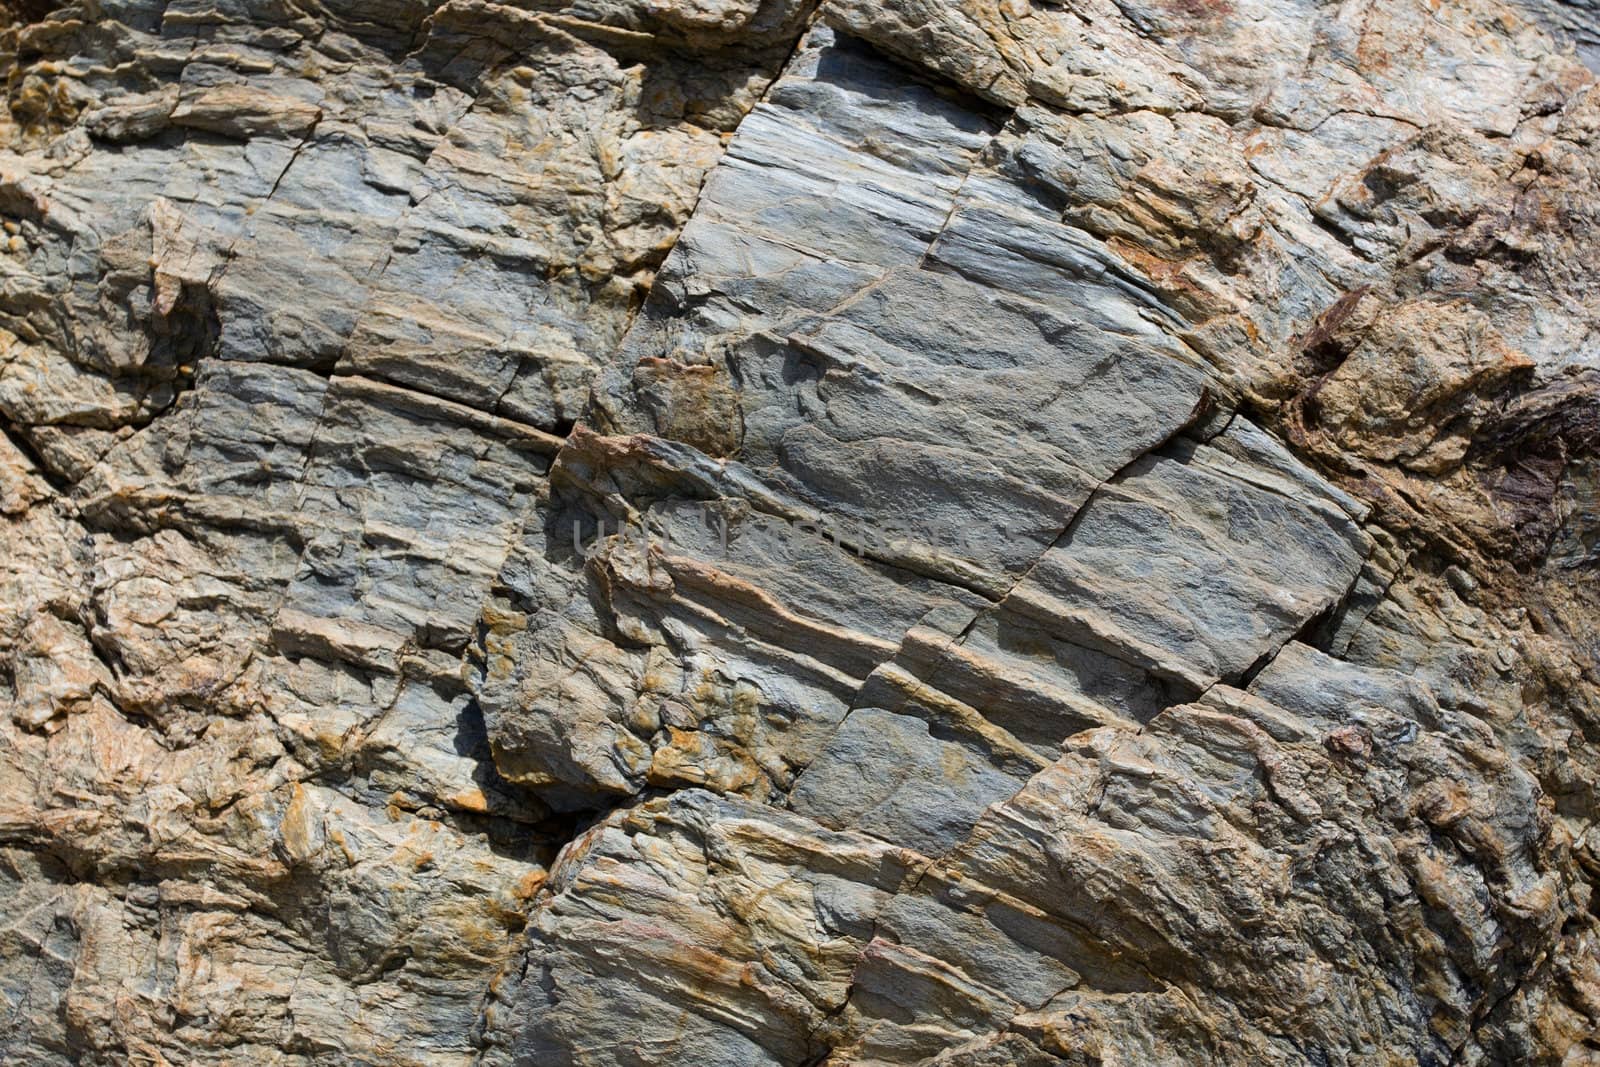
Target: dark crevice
x=1248 y=676
x=1334 y=230
x=23 y=12
x=23 y=444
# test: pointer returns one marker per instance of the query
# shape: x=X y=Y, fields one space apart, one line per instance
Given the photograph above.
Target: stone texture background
x=406 y=651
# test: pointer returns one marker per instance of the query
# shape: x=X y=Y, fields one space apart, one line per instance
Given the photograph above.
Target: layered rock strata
x=750 y=532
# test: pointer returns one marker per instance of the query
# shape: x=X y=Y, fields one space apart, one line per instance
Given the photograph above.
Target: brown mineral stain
x=1200 y=9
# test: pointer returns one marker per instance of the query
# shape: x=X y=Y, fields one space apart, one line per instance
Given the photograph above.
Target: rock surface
x=757 y=532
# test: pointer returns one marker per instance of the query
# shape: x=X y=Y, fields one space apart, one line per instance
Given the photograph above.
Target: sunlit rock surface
x=745 y=532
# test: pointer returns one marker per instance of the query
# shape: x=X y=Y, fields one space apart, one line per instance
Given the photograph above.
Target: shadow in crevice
x=516 y=823
x=24 y=12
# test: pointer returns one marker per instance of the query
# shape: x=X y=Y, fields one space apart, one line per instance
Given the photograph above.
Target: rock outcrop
x=750 y=532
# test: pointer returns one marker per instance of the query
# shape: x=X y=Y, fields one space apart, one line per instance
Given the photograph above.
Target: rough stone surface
x=800 y=532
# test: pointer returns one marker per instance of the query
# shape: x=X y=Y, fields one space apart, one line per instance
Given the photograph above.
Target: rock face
x=747 y=532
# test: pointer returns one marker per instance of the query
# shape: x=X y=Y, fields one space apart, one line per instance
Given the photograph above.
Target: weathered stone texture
x=750 y=532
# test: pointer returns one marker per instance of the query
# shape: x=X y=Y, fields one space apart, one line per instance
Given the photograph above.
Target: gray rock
x=761 y=532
